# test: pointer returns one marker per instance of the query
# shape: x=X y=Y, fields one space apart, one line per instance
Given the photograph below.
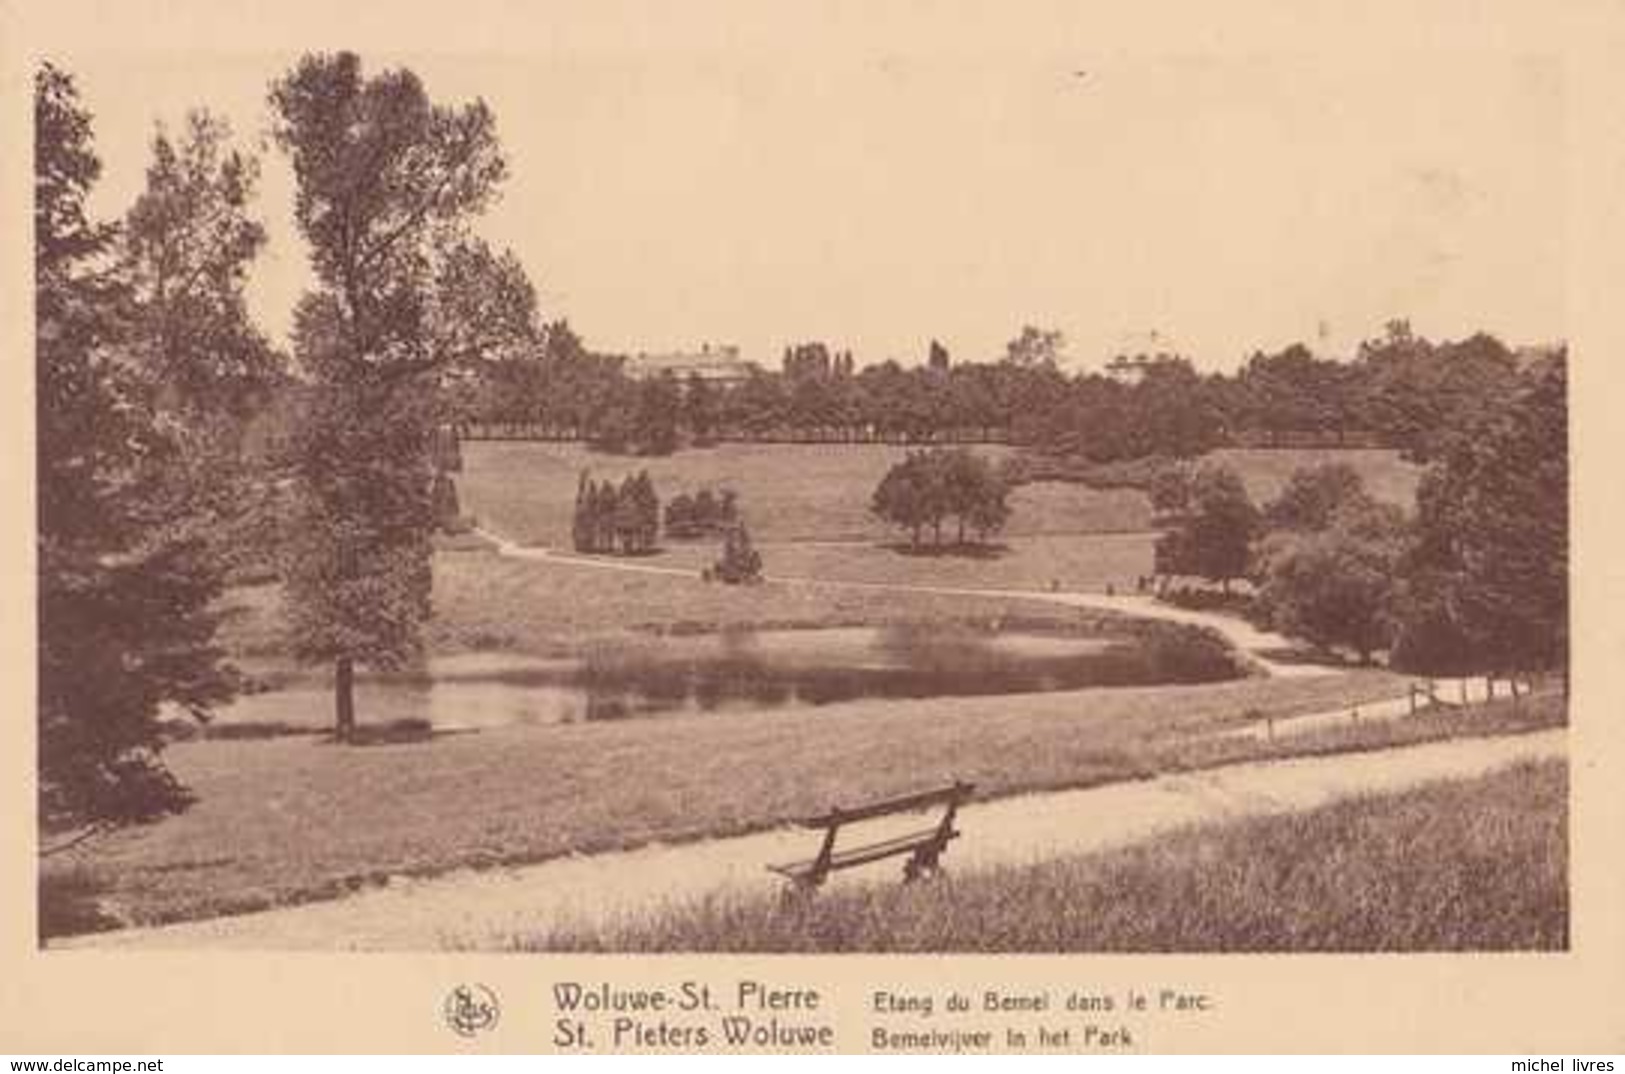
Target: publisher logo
x=471 y=1009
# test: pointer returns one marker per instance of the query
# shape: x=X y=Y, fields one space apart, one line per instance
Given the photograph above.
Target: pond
x=647 y=676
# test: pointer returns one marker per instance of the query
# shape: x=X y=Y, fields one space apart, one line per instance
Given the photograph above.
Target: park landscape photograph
x=868 y=503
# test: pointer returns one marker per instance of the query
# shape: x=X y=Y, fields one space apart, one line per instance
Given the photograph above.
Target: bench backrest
x=952 y=795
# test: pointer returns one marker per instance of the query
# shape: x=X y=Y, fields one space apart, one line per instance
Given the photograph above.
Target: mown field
x=284 y=820
x=1089 y=562
x=486 y=602
x=789 y=492
x=801 y=492
x=1265 y=471
x=807 y=506
x=1469 y=865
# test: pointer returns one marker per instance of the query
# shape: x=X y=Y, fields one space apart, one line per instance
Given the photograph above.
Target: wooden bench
x=924 y=847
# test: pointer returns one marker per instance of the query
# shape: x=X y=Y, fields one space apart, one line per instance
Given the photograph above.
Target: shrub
x=740 y=562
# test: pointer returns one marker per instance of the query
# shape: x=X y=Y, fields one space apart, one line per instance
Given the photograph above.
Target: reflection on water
x=650 y=676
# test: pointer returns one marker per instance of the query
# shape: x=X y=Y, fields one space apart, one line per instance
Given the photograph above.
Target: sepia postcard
x=907 y=528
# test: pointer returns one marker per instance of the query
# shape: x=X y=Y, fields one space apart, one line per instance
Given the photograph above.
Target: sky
x=877 y=199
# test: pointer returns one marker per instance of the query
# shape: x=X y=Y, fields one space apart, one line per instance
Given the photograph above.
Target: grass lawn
x=1265 y=471
x=487 y=602
x=1085 y=562
x=788 y=491
x=284 y=820
x=1469 y=865
x=811 y=492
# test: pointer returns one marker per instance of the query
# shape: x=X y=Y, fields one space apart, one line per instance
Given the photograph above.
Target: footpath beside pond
x=487 y=909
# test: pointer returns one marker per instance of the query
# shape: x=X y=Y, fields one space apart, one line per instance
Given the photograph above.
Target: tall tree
x=387 y=185
x=699 y=407
x=1035 y=346
x=125 y=579
x=186 y=249
x=188 y=243
x=659 y=404
x=1489 y=576
x=1214 y=537
x=1314 y=495
x=1336 y=584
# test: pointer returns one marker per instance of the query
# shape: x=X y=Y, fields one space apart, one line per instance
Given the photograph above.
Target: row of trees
x=1399 y=390
x=613 y=518
x=1475 y=580
x=930 y=488
x=702 y=514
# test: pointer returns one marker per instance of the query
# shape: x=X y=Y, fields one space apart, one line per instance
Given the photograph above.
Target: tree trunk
x=344 y=700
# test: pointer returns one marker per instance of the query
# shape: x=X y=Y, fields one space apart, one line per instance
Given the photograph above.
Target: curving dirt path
x=480 y=910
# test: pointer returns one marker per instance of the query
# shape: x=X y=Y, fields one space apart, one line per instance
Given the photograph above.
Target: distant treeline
x=1399 y=390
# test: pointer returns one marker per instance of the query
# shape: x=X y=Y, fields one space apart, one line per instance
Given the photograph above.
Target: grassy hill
x=790 y=492
x=813 y=492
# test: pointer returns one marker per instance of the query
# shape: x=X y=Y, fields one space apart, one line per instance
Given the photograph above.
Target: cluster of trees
x=1329 y=565
x=1399 y=390
x=1216 y=524
x=145 y=363
x=1476 y=580
x=613 y=518
x=703 y=514
x=930 y=488
x=151 y=377
x=150 y=374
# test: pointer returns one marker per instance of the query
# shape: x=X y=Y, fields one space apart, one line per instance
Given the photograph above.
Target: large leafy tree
x=405 y=300
x=1213 y=538
x=1314 y=495
x=1035 y=346
x=1333 y=584
x=186 y=249
x=929 y=487
x=1488 y=578
x=1420 y=396
x=187 y=245
x=126 y=581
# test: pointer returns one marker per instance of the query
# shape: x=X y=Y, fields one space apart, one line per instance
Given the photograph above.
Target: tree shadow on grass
x=975 y=550
x=405 y=732
x=1309 y=655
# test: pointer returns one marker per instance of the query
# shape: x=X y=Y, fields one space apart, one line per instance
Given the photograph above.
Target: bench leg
x=921 y=862
x=801 y=888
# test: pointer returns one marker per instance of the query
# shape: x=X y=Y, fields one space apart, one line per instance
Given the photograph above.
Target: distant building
x=1126 y=369
x=1137 y=354
x=717 y=363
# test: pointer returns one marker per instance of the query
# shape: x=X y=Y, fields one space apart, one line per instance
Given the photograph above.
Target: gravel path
x=480 y=909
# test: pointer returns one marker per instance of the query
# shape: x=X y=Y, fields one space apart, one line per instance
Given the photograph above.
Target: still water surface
x=640 y=677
